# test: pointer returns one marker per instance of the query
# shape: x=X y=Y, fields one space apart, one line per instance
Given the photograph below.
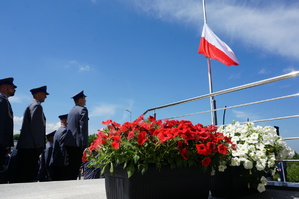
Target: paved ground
x=95 y=189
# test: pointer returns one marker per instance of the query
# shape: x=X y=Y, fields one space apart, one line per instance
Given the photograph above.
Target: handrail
x=235 y=106
x=229 y=90
x=271 y=119
x=292 y=138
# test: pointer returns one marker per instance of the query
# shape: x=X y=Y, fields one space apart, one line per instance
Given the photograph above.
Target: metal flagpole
x=212 y=100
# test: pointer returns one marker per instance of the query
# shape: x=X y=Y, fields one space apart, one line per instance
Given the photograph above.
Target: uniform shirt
x=33 y=131
x=77 y=127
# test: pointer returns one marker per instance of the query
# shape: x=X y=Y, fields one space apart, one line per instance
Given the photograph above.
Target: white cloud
x=263 y=71
x=75 y=64
x=84 y=68
x=244 y=116
x=18 y=124
x=271 y=26
x=18 y=98
x=235 y=76
x=52 y=127
x=106 y=110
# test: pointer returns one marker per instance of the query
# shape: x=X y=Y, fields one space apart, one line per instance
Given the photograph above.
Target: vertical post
x=212 y=100
x=130 y=114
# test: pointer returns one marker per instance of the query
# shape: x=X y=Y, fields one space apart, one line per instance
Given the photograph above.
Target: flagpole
x=212 y=100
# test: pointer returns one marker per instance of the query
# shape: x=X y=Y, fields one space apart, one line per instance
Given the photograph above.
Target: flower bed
x=174 y=143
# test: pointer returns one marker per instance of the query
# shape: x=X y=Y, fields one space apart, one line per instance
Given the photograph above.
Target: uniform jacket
x=6 y=122
x=44 y=173
x=77 y=127
x=33 y=131
x=58 y=157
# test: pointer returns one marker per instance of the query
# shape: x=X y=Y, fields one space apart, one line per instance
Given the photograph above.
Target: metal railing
x=242 y=87
x=237 y=88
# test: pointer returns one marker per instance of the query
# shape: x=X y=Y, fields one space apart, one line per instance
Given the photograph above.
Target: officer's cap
x=39 y=89
x=79 y=95
x=63 y=117
x=7 y=81
x=51 y=134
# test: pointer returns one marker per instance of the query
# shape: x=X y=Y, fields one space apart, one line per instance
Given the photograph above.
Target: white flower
x=252 y=147
x=242 y=148
x=271 y=161
x=264 y=180
x=235 y=139
x=253 y=138
x=261 y=154
x=260 y=146
x=253 y=155
x=259 y=166
x=213 y=171
x=248 y=164
x=222 y=168
x=268 y=139
x=261 y=188
x=257 y=148
x=235 y=161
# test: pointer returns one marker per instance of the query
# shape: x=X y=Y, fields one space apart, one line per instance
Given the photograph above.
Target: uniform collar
x=4 y=95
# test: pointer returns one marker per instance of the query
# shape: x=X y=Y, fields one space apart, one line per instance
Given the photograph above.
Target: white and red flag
x=212 y=47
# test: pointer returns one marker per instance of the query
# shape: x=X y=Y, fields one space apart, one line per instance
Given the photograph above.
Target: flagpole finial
x=204 y=11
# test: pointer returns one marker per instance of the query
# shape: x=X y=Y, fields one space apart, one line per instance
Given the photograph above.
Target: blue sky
x=139 y=54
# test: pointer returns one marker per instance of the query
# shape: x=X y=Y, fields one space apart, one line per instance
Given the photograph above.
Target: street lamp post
x=130 y=114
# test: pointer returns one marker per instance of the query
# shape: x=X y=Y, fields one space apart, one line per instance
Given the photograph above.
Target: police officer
x=76 y=139
x=45 y=172
x=7 y=89
x=32 y=137
x=59 y=158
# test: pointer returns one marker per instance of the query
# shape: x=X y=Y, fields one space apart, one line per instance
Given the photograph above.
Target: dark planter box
x=229 y=184
x=188 y=182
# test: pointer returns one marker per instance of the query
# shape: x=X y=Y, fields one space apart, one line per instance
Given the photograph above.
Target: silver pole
x=212 y=100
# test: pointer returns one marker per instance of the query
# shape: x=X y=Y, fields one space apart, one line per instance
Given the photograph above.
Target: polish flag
x=212 y=47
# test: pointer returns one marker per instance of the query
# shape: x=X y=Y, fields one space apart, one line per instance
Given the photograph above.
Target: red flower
x=151 y=118
x=234 y=146
x=180 y=145
x=204 y=135
x=202 y=149
x=142 y=137
x=107 y=122
x=130 y=135
x=206 y=161
x=184 y=153
x=210 y=148
x=116 y=142
x=222 y=149
x=84 y=157
x=159 y=140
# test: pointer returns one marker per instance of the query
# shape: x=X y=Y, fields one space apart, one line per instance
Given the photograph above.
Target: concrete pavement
x=75 y=189
x=95 y=189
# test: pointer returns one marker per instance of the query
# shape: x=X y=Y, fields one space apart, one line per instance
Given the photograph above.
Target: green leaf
x=111 y=167
x=130 y=170
x=136 y=158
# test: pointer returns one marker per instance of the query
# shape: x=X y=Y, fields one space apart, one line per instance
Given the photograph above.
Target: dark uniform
x=59 y=158
x=45 y=172
x=32 y=137
x=76 y=139
x=6 y=127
